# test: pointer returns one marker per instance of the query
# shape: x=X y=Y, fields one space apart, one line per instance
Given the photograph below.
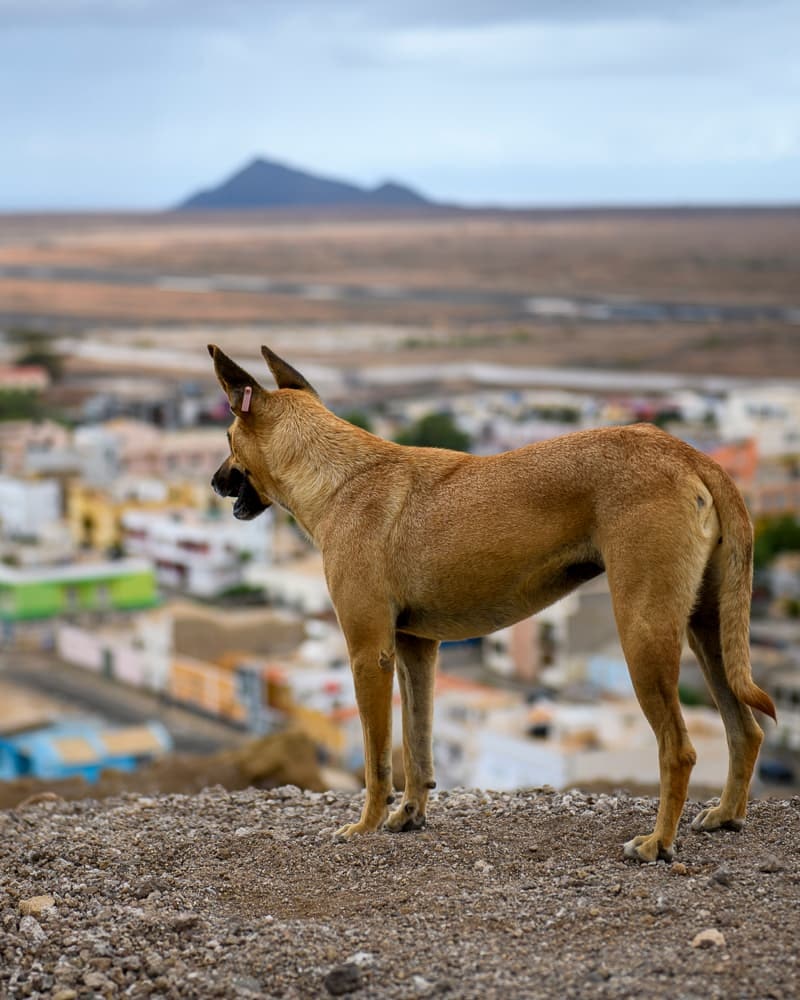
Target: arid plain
x=696 y=291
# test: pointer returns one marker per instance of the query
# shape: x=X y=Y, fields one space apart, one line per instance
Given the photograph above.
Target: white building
x=198 y=553
x=770 y=414
x=299 y=585
x=554 y=646
x=99 y=453
x=137 y=653
x=28 y=507
x=482 y=741
x=784 y=686
x=135 y=448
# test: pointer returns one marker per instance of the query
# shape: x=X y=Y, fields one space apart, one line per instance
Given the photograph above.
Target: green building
x=41 y=592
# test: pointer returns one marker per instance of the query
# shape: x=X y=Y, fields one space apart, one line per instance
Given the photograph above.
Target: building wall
x=639 y=764
x=508 y=762
x=77 y=646
x=93 y=518
x=27 y=506
x=201 y=555
x=21 y=600
x=139 y=655
x=739 y=459
x=33 y=600
x=206 y=686
x=24 y=440
x=135 y=591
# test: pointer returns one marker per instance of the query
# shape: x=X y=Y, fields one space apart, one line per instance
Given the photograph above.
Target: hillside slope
x=503 y=895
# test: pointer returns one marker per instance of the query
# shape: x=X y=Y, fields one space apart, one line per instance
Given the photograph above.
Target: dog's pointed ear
x=242 y=390
x=286 y=376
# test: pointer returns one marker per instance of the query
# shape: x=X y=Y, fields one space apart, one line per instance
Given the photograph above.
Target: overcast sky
x=137 y=103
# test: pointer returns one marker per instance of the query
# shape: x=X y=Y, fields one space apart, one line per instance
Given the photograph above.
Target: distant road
x=117 y=703
x=410 y=378
x=586 y=309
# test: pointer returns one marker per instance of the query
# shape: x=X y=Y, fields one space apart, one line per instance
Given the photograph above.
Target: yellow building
x=95 y=516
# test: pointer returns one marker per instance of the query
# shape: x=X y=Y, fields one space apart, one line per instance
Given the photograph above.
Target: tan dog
x=421 y=545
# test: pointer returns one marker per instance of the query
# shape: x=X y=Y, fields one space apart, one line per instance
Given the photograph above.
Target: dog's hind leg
x=416 y=669
x=653 y=655
x=653 y=584
x=372 y=659
x=743 y=733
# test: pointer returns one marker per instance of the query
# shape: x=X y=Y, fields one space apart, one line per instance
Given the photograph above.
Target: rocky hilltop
x=244 y=894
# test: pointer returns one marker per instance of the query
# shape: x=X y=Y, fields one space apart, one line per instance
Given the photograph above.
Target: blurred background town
x=463 y=227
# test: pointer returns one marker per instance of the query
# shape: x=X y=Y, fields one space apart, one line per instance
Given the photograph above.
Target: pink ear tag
x=247 y=396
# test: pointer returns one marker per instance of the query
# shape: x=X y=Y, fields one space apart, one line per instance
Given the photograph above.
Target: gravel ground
x=526 y=894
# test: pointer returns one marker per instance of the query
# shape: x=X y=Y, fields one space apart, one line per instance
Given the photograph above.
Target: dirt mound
x=524 y=894
x=288 y=758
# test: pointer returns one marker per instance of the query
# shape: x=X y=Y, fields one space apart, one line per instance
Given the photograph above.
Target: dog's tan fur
x=421 y=545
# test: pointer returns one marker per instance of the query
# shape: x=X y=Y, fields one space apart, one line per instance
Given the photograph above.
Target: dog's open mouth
x=248 y=503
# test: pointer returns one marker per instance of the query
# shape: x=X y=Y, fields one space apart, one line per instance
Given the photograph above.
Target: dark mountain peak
x=263 y=183
x=393 y=193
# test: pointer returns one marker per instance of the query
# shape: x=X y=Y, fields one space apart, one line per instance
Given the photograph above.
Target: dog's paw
x=647 y=849
x=350 y=830
x=715 y=818
x=406 y=817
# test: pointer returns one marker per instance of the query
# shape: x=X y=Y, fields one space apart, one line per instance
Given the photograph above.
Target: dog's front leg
x=416 y=669
x=373 y=674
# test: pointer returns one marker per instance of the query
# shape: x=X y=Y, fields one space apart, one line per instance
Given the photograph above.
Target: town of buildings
x=116 y=556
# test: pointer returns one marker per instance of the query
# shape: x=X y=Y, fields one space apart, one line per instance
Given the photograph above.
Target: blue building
x=80 y=748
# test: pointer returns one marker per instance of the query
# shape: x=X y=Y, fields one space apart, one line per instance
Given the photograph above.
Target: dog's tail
x=735 y=586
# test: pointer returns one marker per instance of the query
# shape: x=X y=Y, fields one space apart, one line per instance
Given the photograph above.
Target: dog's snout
x=227 y=481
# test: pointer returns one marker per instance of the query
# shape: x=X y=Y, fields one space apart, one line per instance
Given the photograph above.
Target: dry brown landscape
x=445 y=282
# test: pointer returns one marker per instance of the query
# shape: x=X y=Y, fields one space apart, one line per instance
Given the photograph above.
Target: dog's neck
x=312 y=455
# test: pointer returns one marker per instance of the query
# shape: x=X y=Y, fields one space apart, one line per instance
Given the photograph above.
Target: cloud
x=374 y=13
x=138 y=101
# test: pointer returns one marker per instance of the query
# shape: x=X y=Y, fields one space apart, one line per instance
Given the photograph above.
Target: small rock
x=659 y=907
x=771 y=863
x=343 y=979
x=183 y=921
x=483 y=866
x=248 y=984
x=30 y=927
x=421 y=984
x=709 y=938
x=95 y=980
x=39 y=797
x=679 y=868
x=66 y=994
x=721 y=875
x=361 y=959
x=36 y=905
x=287 y=792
